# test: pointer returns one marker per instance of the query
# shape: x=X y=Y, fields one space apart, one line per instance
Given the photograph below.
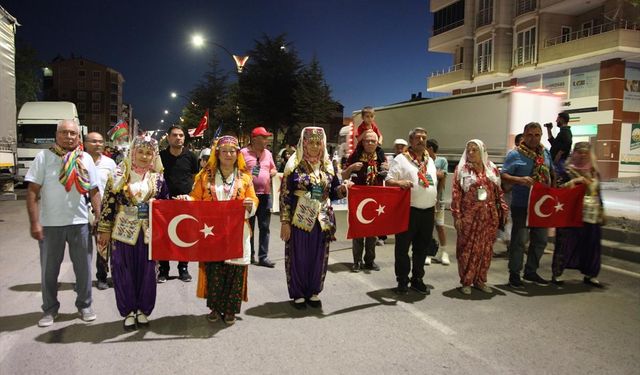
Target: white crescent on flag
x=539 y=204
x=173 y=235
x=360 y=208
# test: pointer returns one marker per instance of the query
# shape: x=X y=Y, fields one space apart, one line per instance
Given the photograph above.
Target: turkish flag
x=554 y=207
x=203 y=125
x=205 y=231
x=377 y=210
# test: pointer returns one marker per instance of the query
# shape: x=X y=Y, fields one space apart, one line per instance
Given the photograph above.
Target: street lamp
x=175 y=95
x=198 y=41
x=166 y=111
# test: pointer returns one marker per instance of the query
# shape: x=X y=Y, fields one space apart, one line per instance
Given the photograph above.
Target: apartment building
x=95 y=89
x=585 y=51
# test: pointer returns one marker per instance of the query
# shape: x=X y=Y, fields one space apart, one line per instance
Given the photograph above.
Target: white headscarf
x=306 y=134
x=467 y=175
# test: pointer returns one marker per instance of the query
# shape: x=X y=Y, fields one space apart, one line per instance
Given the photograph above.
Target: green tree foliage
x=28 y=74
x=268 y=84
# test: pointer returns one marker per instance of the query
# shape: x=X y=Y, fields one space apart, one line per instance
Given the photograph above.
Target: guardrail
x=595 y=30
x=448 y=27
x=451 y=69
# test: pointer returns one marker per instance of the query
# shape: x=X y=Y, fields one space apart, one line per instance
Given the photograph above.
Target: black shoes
x=184 y=276
x=266 y=263
x=419 y=287
x=253 y=260
x=402 y=288
x=356 y=267
x=536 y=279
x=162 y=278
x=515 y=282
x=373 y=267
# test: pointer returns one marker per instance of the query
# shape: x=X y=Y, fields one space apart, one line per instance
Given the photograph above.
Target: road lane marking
x=620 y=270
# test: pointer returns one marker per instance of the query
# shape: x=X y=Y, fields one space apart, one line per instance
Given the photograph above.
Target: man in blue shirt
x=523 y=166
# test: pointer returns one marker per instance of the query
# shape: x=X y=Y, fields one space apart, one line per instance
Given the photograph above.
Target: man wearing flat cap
x=262 y=167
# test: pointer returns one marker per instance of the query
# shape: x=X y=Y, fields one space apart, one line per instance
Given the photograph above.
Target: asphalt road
x=362 y=328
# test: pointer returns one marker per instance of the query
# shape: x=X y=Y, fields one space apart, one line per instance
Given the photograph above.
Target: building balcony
x=619 y=38
x=449 y=78
x=524 y=6
x=484 y=17
x=447 y=38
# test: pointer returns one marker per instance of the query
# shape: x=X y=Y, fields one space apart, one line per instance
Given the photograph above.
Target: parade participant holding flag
x=477 y=206
x=415 y=170
x=580 y=247
x=523 y=166
x=58 y=180
x=125 y=222
x=224 y=284
x=308 y=223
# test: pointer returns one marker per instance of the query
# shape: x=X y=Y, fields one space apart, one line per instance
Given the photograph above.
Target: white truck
x=494 y=117
x=36 y=129
x=7 y=105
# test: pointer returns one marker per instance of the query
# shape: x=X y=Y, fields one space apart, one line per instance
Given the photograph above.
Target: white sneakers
x=47 y=320
x=444 y=259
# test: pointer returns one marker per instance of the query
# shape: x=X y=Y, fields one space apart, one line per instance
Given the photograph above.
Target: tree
x=28 y=74
x=268 y=84
x=313 y=102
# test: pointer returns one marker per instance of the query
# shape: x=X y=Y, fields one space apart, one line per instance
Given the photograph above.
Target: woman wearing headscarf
x=125 y=222
x=477 y=206
x=580 y=248
x=223 y=178
x=308 y=224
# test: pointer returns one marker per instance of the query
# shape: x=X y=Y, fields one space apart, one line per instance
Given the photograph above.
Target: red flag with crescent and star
x=204 y=231
x=555 y=207
x=202 y=125
x=377 y=211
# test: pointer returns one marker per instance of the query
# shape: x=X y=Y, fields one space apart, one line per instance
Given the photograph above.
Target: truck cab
x=36 y=129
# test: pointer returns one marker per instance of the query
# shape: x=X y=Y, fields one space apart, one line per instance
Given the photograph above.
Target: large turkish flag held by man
x=554 y=207
x=377 y=211
x=196 y=230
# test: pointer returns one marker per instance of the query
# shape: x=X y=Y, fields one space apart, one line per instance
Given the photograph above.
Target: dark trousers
x=164 y=267
x=102 y=268
x=369 y=246
x=520 y=234
x=418 y=236
x=263 y=215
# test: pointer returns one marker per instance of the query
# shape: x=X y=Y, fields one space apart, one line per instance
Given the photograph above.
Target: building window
x=82 y=95
x=82 y=85
x=114 y=119
x=96 y=96
x=95 y=85
x=114 y=98
x=485 y=13
x=484 y=56
x=114 y=108
x=587 y=28
x=565 y=32
x=95 y=119
x=525 y=6
x=82 y=107
x=525 y=52
x=95 y=75
x=82 y=73
x=448 y=18
x=81 y=117
x=114 y=87
x=95 y=107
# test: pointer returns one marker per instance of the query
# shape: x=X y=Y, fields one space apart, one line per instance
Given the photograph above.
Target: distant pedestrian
x=262 y=167
x=224 y=284
x=399 y=146
x=368 y=115
x=524 y=166
x=204 y=156
x=561 y=143
x=125 y=223
x=477 y=207
x=368 y=166
x=307 y=220
x=414 y=170
x=59 y=179
x=180 y=165
x=580 y=248
x=441 y=171
x=106 y=167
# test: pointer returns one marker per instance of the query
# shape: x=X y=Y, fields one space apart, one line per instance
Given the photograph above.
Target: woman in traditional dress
x=477 y=206
x=580 y=248
x=125 y=221
x=224 y=284
x=308 y=224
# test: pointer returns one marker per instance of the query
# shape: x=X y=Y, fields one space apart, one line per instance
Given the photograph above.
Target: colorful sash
x=73 y=171
x=541 y=171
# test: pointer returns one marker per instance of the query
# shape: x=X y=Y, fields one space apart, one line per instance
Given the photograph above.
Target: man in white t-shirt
x=105 y=166
x=59 y=179
x=415 y=170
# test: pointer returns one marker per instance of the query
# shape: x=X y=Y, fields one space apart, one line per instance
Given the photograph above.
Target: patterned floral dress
x=478 y=224
x=307 y=252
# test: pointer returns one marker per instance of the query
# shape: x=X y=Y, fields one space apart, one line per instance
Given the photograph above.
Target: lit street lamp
x=166 y=111
x=198 y=41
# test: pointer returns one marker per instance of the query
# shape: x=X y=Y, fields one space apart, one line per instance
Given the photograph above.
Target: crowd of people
x=78 y=198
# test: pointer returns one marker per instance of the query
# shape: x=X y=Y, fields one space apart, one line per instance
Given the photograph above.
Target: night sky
x=372 y=52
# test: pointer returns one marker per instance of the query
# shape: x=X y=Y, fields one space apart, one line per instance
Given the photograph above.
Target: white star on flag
x=207 y=230
x=380 y=210
x=558 y=206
